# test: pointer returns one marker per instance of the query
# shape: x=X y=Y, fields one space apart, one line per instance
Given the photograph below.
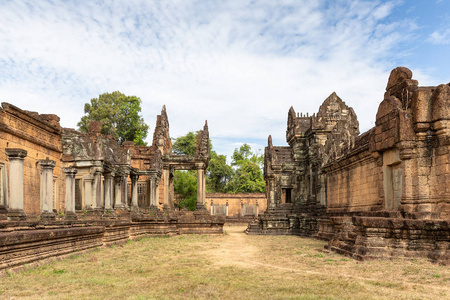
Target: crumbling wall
x=353 y=182
x=39 y=135
x=239 y=205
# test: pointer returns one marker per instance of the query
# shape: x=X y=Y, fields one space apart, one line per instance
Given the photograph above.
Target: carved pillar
x=226 y=213
x=47 y=167
x=211 y=208
x=257 y=208
x=201 y=195
x=124 y=190
x=118 y=192
x=108 y=182
x=166 y=188
x=97 y=190
x=134 y=190
x=88 y=180
x=271 y=199
x=171 y=189
x=242 y=209
x=153 y=191
x=70 y=193
x=15 y=205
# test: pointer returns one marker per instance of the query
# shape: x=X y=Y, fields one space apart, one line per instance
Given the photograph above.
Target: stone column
x=97 y=190
x=257 y=208
x=271 y=199
x=171 y=190
x=125 y=191
x=88 y=180
x=70 y=193
x=211 y=208
x=118 y=192
x=47 y=167
x=166 y=188
x=153 y=190
x=242 y=209
x=134 y=191
x=108 y=190
x=15 y=205
x=226 y=213
x=200 y=188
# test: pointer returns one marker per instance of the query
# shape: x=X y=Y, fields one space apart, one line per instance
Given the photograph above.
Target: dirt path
x=234 y=249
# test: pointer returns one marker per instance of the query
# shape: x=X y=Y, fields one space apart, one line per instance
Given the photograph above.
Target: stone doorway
x=392 y=179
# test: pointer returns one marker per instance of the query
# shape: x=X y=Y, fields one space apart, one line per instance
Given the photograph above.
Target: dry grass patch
x=232 y=266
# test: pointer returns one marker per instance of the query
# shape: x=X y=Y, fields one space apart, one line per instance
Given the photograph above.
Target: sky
x=238 y=64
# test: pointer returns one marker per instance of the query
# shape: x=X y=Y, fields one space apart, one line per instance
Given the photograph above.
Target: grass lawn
x=232 y=266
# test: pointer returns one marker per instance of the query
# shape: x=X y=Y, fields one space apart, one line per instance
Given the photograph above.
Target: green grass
x=232 y=266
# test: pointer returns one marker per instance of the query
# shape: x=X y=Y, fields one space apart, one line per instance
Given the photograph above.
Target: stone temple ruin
x=63 y=191
x=383 y=193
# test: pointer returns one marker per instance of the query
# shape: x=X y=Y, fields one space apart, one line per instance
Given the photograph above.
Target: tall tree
x=185 y=187
x=248 y=176
x=119 y=116
x=186 y=144
x=218 y=174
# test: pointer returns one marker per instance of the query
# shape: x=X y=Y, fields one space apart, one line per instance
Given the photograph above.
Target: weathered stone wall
x=385 y=235
x=237 y=203
x=24 y=242
x=353 y=181
x=40 y=136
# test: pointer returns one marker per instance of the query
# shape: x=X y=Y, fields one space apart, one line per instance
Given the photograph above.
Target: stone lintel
x=88 y=177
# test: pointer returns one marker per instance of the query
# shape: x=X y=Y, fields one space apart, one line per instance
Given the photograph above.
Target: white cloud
x=440 y=37
x=239 y=64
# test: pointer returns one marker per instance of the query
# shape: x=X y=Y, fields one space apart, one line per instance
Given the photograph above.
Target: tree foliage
x=218 y=174
x=185 y=187
x=186 y=144
x=119 y=116
x=248 y=176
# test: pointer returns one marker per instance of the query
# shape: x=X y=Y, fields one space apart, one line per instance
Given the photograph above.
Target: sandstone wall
x=235 y=202
x=24 y=242
x=40 y=136
x=353 y=182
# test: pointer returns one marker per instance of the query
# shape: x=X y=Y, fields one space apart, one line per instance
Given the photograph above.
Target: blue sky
x=238 y=64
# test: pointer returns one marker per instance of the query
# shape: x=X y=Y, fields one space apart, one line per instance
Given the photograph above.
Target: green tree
x=119 y=116
x=186 y=144
x=185 y=187
x=248 y=176
x=218 y=174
